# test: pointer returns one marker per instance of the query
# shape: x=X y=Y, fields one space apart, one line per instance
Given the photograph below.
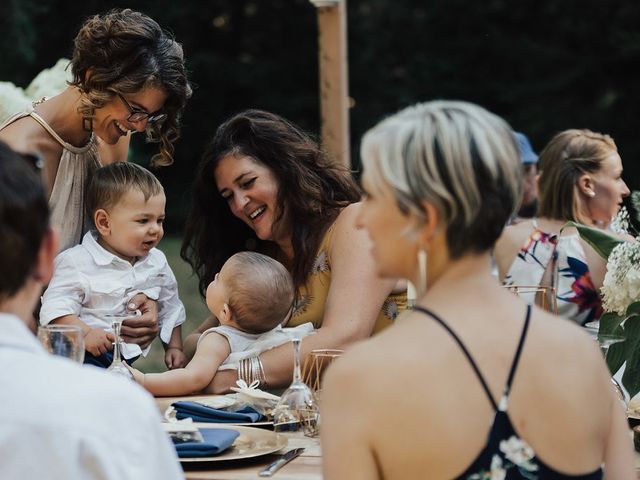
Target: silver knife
x=279 y=463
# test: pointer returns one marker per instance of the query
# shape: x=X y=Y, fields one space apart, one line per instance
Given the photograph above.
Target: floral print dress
x=506 y=456
x=576 y=295
x=312 y=296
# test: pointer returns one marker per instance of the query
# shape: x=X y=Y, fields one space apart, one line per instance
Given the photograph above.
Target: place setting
x=222 y=428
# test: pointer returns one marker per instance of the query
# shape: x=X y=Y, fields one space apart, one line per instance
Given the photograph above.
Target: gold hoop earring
x=422 y=271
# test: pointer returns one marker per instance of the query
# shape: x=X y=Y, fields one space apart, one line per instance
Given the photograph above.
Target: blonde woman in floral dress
x=472 y=383
x=580 y=181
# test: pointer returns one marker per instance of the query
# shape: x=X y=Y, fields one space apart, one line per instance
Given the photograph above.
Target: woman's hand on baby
x=174 y=358
x=98 y=341
x=143 y=329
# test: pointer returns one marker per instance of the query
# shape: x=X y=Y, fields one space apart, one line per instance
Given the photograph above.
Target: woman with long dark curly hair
x=263 y=184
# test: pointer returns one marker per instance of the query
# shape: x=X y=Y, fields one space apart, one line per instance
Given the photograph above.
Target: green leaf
x=616 y=356
x=610 y=323
x=602 y=242
x=631 y=376
x=633 y=309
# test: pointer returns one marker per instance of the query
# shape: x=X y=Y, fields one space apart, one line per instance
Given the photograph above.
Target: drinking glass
x=117 y=366
x=297 y=408
x=63 y=340
x=604 y=340
x=316 y=363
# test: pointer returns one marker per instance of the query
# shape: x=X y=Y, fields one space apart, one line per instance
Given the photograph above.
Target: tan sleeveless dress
x=67 y=196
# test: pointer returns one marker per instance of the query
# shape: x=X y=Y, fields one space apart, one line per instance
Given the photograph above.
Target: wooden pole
x=334 y=83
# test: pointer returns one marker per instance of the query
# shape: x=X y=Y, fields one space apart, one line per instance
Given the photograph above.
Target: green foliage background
x=544 y=65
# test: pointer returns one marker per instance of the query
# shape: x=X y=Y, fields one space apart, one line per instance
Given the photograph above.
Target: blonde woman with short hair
x=472 y=383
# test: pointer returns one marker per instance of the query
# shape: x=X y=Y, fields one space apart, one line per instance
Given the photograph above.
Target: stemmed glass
x=117 y=366
x=63 y=340
x=605 y=341
x=297 y=408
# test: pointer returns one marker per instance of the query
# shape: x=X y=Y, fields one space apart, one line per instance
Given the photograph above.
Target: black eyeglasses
x=138 y=115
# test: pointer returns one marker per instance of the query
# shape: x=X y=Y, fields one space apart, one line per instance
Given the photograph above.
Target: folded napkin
x=216 y=440
x=202 y=413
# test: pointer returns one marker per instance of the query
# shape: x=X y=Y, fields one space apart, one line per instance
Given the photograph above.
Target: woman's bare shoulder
x=516 y=233
x=22 y=135
x=510 y=241
x=348 y=214
x=361 y=368
x=25 y=135
x=562 y=338
x=345 y=231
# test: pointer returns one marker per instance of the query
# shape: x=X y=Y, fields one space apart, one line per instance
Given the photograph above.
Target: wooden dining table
x=307 y=466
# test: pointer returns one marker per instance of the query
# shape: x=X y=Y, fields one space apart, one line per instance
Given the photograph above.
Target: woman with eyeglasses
x=128 y=76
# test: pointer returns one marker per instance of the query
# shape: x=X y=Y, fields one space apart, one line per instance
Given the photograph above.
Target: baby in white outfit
x=251 y=296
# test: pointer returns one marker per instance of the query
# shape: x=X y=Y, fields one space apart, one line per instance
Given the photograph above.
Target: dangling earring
x=87 y=122
x=422 y=271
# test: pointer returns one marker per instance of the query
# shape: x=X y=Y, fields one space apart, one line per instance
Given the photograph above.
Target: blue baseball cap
x=527 y=155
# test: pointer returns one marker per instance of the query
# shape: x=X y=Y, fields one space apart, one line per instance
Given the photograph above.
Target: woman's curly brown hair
x=123 y=52
x=312 y=190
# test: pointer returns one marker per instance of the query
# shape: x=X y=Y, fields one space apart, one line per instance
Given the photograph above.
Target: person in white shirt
x=114 y=263
x=250 y=296
x=58 y=419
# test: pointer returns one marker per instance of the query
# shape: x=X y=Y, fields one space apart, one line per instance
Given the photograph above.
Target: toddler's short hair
x=109 y=183
x=260 y=291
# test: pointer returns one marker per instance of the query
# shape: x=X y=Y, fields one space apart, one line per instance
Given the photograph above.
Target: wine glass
x=605 y=340
x=63 y=340
x=297 y=408
x=117 y=366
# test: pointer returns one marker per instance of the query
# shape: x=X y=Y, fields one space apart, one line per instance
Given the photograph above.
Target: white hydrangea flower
x=50 y=81
x=620 y=223
x=519 y=452
x=635 y=200
x=47 y=83
x=12 y=100
x=621 y=285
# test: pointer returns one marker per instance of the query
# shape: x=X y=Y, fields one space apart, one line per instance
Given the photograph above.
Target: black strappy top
x=506 y=455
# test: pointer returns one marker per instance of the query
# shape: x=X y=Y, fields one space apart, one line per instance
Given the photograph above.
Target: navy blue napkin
x=216 y=440
x=202 y=413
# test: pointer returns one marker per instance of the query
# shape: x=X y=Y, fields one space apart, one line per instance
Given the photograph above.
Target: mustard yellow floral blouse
x=313 y=295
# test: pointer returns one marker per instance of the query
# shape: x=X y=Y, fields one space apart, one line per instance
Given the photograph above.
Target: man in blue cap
x=529 y=159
